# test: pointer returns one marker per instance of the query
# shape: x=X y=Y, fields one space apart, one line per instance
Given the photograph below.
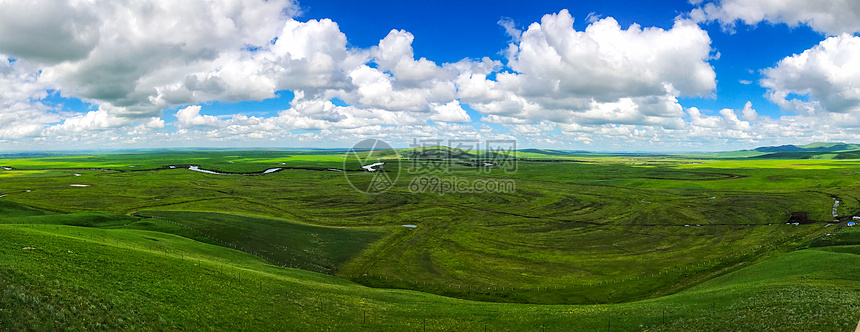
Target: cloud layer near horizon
x=605 y=85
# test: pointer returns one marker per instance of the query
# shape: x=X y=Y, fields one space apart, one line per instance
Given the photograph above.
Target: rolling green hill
x=820 y=150
x=627 y=242
x=812 y=147
x=63 y=277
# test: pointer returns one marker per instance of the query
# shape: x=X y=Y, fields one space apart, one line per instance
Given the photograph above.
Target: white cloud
x=49 y=31
x=401 y=83
x=21 y=114
x=593 y=17
x=377 y=89
x=748 y=112
x=832 y=17
x=606 y=85
x=604 y=74
x=450 y=112
x=394 y=54
x=828 y=74
x=732 y=122
x=118 y=53
x=100 y=119
x=311 y=57
x=606 y=62
x=132 y=69
x=190 y=117
x=699 y=120
x=500 y=119
x=510 y=28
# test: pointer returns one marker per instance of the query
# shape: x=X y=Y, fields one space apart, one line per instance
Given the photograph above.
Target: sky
x=697 y=75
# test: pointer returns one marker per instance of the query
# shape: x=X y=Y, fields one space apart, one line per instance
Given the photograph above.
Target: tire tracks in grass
x=463 y=206
x=243 y=199
x=725 y=176
x=364 y=262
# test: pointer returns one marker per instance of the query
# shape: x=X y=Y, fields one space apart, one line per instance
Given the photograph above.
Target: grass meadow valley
x=139 y=241
x=417 y=166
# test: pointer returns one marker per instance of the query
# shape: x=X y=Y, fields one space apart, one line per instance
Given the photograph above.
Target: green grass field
x=586 y=242
x=90 y=278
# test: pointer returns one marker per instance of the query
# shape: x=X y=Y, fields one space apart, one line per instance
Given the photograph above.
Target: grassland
x=91 y=278
x=585 y=242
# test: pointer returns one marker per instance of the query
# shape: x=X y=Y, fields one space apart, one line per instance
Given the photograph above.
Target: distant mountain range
x=819 y=150
x=813 y=147
x=837 y=150
x=553 y=152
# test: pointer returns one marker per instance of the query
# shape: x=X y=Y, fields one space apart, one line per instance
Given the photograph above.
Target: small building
x=855 y=218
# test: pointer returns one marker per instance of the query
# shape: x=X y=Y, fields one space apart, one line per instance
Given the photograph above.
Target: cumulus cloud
x=604 y=74
x=90 y=121
x=749 y=113
x=377 y=89
x=395 y=54
x=64 y=31
x=190 y=117
x=310 y=55
x=21 y=114
x=323 y=114
x=450 y=112
x=401 y=83
x=827 y=76
x=121 y=57
x=607 y=62
x=605 y=85
x=118 y=53
x=832 y=17
x=305 y=56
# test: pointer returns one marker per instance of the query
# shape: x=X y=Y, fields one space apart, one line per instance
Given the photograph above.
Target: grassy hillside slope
x=63 y=277
x=612 y=230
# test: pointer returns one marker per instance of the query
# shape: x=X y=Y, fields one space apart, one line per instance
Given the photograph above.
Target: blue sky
x=593 y=75
x=447 y=31
x=469 y=29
